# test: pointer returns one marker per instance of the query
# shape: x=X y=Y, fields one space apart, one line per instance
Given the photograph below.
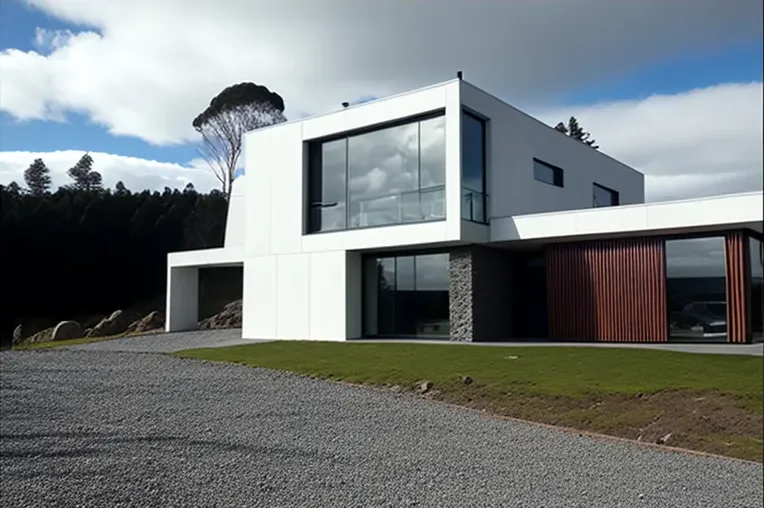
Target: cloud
x=698 y=143
x=145 y=68
x=137 y=174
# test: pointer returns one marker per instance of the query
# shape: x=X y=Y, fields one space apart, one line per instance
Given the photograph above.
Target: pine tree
x=83 y=175
x=575 y=131
x=37 y=178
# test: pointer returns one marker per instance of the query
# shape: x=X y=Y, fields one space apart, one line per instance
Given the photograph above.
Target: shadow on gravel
x=94 y=439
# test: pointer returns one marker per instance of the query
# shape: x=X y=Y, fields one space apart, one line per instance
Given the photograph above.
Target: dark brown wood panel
x=611 y=291
x=738 y=319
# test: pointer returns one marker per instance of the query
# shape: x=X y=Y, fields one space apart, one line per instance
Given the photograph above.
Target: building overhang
x=693 y=216
x=207 y=258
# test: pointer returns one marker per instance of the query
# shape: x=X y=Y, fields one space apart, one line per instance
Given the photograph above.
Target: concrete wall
x=515 y=138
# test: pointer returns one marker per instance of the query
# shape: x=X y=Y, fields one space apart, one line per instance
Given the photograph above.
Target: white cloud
x=137 y=174
x=698 y=143
x=145 y=68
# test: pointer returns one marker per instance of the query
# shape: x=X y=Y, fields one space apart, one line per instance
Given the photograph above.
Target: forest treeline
x=85 y=249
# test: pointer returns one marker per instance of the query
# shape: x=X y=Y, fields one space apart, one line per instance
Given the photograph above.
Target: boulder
x=229 y=317
x=67 y=330
x=27 y=328
x=114 y=324
x=150 y=321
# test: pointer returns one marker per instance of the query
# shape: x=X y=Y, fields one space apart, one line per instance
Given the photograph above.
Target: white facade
x=301 y=285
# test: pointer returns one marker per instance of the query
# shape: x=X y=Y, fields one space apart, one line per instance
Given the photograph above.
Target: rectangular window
x=392 y=175
x=473 y=168
x=602 y=196
x=696 y=294
x=547 y=173
x=407 y=296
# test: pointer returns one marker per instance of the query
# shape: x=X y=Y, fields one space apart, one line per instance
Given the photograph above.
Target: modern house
x=445 y=212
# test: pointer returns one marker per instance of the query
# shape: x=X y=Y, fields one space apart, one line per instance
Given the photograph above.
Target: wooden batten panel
x=611 y=290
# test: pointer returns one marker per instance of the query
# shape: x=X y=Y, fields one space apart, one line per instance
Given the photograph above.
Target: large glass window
x=756 y=248
x=406 y=296
x=473 y=168
x=389 y=176
x=602 y=196
x=696 y=289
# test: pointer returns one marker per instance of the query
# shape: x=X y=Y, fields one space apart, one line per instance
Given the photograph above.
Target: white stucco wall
x=299 y=286
x=515 y=138
x=236 y=220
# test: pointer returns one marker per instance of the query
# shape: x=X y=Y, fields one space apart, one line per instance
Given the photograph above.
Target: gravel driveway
x=104 y=428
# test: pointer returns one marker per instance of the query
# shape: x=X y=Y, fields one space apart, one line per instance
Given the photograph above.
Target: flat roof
x=699 y=215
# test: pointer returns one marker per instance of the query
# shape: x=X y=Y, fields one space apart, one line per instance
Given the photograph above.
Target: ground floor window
x=756 y=249
x=696 y=289
x=406 y=296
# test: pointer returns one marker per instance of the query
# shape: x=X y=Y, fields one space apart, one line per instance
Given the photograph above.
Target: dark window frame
x=558 y=174
x=613 y=193
x=482 y=193
x=312 y=183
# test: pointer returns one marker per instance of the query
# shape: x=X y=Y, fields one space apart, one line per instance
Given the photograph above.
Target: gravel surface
x=168 y=342
x=108 y=429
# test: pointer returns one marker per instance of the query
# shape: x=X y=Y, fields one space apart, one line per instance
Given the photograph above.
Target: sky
x=673 y=89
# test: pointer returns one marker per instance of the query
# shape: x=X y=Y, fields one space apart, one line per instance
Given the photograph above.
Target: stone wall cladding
x=480 y=294
x=460 y=294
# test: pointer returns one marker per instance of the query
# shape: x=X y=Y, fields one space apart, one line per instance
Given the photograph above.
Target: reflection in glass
x=473 y=168
x=473 y=206
x=756 y=252
x=384 y=173
x=407 y=296
x=602 y=196
x=327 y=186
x=696 y=289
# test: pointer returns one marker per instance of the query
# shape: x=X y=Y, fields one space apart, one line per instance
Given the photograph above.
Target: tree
x=574 y=130
x=83 y=175
x=37 y=178
x=233 y=112
x=13 y=189
x=120 y=189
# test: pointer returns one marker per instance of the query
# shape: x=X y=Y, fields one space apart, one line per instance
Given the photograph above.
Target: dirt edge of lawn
x=706 y=423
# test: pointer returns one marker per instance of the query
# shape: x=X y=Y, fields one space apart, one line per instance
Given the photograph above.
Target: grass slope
x=708 y=403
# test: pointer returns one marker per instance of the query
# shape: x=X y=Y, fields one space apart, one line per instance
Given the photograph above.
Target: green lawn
x=625 y=392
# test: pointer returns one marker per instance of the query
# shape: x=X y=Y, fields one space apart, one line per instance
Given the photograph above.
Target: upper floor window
x=547 y=173
x=603 y=196
x=473 y=168
x=392 y=175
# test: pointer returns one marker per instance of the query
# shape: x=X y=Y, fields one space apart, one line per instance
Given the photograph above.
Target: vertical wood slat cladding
x=738 y=323
x=612 y=291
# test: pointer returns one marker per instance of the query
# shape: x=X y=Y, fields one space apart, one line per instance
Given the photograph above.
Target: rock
x=467 y=380
x=664 y=439
x=396 y=389
x=151 y=321
x=28 y=328
x=229 y=317
x=114 y=324
x=67 y=330
x=93 y=320
x=425 y=387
